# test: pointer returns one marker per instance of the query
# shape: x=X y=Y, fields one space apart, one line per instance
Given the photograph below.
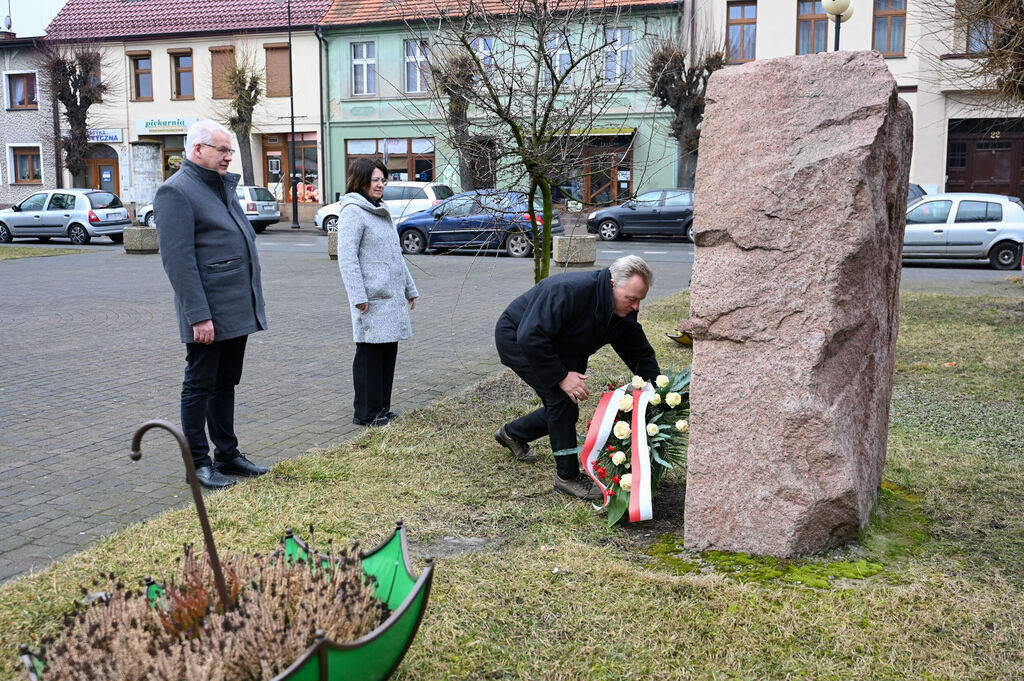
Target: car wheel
x=1005 y=255
x=43 y=239
x=5 y=234
x=116 y=238
x=413 y=242
x=79 y=235
x=609 y=230
x=151 y=220
x=331 y=224
x=519 y=244
x=689 y=232
x=259 y=228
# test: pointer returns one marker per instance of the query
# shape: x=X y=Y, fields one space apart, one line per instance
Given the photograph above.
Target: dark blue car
x=479 y=219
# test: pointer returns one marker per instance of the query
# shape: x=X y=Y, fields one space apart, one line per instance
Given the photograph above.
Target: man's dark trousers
x=556 y=419
x=208 y=398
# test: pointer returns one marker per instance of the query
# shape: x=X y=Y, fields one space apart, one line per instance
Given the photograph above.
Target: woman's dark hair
x=359 y=173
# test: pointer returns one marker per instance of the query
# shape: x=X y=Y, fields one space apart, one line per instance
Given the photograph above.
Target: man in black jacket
x=548 y=334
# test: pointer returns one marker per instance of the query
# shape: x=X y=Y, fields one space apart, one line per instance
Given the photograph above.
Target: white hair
x=625 y=267
x=201 y=132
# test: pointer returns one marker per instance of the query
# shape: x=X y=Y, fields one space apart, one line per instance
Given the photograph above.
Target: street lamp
x=841 y=11
x=292 y=180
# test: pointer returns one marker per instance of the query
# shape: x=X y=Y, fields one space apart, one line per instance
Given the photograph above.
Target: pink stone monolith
x=800 y=198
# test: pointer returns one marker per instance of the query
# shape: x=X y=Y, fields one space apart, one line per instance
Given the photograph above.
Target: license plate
x=113 y=215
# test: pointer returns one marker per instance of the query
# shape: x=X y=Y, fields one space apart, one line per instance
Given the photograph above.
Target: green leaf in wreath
x=571 y=451
x=617 y=505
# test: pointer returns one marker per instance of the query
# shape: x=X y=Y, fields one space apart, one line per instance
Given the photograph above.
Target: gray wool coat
x=374 y=271
x=208 y=249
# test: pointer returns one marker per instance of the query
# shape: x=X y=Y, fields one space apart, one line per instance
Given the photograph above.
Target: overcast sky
x=30 y=17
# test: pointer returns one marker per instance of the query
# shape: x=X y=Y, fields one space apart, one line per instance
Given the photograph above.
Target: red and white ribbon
x=600 y=428
x=640 y=465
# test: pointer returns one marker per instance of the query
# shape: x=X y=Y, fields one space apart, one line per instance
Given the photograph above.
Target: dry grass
x=14 y=252
x=533 y=585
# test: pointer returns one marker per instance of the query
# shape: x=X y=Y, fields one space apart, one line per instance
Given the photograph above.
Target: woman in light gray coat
x=379 y=287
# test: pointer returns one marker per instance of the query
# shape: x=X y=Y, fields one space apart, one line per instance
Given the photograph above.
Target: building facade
x=27 y=148
x=165 y=71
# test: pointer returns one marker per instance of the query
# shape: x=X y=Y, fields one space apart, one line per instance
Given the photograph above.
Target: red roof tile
x=355 y=12
x=106 y=19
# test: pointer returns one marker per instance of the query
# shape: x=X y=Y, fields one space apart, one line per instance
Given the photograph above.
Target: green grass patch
x=8 y=252
x=530 y=584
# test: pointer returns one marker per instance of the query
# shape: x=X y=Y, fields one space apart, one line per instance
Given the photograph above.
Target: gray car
x=258 y=204
x=964 y=225
x=76 y=214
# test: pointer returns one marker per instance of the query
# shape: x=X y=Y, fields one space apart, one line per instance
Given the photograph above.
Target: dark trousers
x=208 y=398
x=556 y=419
x=373 y=373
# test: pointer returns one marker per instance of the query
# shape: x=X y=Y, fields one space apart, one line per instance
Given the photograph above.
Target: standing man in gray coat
x=208 y=250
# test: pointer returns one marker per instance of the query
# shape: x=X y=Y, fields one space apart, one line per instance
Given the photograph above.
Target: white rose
x=626 y=403
x=621 y=430
x=618 y=458
x=673 y=400
x=682 y=426
x=655 y=399
x=652 y=429
x=661 y=381
x=626 y=481
x=638 y=382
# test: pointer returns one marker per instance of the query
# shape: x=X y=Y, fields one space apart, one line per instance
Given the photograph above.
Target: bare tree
x=522 y=82
x=245 y=81
x=678 y=70
x=72 y=74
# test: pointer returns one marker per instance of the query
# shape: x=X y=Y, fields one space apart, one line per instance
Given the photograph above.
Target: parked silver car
x=402 y=199
x=258 y=204
x=76 y=214
x=964 y=225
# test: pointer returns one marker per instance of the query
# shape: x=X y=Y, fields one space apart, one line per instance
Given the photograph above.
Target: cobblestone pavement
x=90 y=351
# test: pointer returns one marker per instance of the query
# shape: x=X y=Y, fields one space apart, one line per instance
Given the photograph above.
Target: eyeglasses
x=378 y=180
x=223 y=150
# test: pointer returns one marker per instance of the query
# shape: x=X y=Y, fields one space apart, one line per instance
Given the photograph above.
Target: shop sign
x=164 y=126
x=101 y=136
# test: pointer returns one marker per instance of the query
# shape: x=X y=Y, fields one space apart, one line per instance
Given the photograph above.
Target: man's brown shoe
x=520 y=450
x=580 y=487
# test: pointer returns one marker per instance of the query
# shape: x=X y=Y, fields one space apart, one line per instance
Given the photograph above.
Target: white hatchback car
x=402 y=199
x=963 y=225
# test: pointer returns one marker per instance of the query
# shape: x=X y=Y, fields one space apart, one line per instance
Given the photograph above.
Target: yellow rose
x=673 y=400
x=652 y=429
x=626 y=481
x=661 y=381
x=655 y=399
x=638 y=382
x=682 y=426
x=626 y=403
x=621 y=430
x=618 y=458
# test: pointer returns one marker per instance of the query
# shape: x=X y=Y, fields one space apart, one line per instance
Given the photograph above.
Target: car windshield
x=262 y=194
x=443 y=191
x=104 y=200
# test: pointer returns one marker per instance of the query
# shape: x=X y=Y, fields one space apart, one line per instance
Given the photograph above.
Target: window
x=649 y=198
x=484 y=48
x=741 y=31
x=890 y=23
x=61 y=202
x=980 y=35
x=678 y=198
x=21 y=91
x=34 y=202
x=618 y=56
x=364 y=69
x=417 y=72
x=222 y=60
x=406 y=159
x=28 y=168
x=930 y=213
x=181 y=67
x=561 y=58
x=957 y=157
x=811 y=27
x=142 y=76
x=279 y=73
x=979 y=211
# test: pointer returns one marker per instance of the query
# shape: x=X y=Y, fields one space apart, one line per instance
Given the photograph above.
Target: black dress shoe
x=375 y=423
x=210 y=478
x=240 y=466
x=392 y=416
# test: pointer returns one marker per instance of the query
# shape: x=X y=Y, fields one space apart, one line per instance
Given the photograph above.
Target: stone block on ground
x=141 y=240
x=801 y=191
x=577 y=250
x=332 y=245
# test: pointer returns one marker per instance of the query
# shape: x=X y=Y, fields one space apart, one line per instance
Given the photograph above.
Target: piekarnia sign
x=163 y=126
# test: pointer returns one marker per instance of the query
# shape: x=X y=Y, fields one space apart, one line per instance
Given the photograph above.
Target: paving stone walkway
x=90 y=351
